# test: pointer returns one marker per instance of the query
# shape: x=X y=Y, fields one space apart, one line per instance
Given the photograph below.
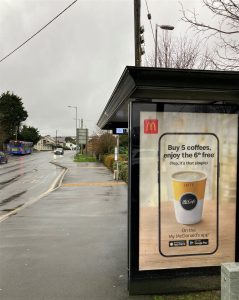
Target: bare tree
x=226 y=30
x=102 y=144
x=181 y=53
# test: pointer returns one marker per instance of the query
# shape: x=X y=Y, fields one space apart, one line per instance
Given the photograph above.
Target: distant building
x=70 y=146
x=61 y=141
x=46 y=143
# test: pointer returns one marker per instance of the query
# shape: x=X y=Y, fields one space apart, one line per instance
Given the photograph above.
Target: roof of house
x=48 y=138
x=61 y=139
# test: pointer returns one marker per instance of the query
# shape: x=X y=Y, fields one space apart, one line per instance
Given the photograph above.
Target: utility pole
x=56 y=138
x=77 y=138
x=77 y=143
x=86 y=145
x=79 y=120
x=81 y=126
x=137 y=33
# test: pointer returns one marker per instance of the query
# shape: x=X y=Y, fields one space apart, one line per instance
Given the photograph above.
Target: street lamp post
x=75 y=107
x=164 y=27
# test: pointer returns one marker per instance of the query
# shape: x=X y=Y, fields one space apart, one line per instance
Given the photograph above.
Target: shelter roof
x=167 y=85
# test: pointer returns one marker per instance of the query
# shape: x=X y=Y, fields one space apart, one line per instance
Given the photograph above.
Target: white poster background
x=225 y=127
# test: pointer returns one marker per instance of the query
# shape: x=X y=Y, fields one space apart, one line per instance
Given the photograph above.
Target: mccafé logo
x=188 y=201
x=150 y=126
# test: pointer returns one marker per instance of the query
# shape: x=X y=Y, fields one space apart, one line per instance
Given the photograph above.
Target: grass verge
x=212 y=295
x=84 y=158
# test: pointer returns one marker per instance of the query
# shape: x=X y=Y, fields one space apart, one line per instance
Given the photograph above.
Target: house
x=46 y=143
x=61 y=141
x=70 y=146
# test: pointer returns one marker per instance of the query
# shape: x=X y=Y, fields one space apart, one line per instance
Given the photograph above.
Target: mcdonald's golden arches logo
x=150 y=126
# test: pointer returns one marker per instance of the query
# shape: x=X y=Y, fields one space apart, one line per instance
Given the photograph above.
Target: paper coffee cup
x=188 y=193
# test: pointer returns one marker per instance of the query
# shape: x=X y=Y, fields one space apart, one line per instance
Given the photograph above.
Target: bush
x=123 y=170
x=123 y=150
x=105 y=144
x=108 y=161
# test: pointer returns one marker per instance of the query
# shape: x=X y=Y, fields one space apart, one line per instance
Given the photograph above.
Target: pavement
x=70 y=244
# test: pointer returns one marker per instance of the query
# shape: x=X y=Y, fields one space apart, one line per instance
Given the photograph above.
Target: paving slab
x=71 y=244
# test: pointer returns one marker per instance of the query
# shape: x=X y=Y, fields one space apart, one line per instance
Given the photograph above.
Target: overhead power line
x=38 y=31
x=149 y=18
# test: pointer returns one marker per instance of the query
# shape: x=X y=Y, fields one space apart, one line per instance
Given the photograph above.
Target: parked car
x=59 y=151
x=3 y=158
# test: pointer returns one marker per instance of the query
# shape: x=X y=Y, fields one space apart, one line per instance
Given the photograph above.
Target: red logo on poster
x=150 y=126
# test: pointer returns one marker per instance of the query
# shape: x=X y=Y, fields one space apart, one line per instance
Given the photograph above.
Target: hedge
x=123 y=170
x=110 y=163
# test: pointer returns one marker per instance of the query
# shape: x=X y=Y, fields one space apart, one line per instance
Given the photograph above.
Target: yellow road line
x=107 y=183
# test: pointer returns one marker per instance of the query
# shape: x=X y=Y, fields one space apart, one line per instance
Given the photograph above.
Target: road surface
x=25 y=178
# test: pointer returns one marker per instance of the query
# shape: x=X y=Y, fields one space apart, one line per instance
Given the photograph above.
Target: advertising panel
x=187 y=188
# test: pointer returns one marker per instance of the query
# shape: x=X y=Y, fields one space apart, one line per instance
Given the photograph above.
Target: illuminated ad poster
x=187 y=189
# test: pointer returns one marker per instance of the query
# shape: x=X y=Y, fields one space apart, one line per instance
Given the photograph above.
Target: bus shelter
x=183 y=173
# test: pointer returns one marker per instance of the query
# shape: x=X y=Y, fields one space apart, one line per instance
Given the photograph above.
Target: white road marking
x=30 y=202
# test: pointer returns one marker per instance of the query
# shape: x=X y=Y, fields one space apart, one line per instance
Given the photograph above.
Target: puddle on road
x=4 y=183
x=11 y=198
x=11 y=209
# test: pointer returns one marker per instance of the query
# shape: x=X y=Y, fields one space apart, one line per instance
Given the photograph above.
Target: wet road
x=70 y=245
x=25 y=178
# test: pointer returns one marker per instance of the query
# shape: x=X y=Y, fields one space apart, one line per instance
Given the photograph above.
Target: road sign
x=82 y=136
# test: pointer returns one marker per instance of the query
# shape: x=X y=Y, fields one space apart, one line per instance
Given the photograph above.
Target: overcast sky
x=78 y=59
